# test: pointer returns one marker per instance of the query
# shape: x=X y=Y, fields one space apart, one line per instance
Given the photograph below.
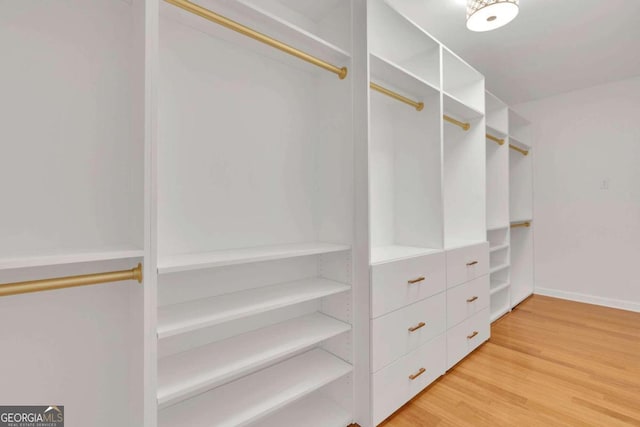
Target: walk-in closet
x=329 y=213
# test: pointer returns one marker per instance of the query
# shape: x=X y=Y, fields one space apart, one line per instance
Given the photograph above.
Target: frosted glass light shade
x=486 y=15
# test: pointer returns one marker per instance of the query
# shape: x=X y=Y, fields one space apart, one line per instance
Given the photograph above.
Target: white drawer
x=400 y=283
x=467 y=336
x=401 y=331
x=467 y=263
x=467 y=299
x=393 y=387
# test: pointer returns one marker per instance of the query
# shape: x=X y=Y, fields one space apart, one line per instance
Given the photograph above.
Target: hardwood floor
x=549 y=363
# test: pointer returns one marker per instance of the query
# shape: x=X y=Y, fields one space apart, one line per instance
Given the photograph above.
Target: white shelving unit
x=464 y=176
x=427 y=208
x=521 y=208
x=405 y=176
x=277 y=207
x=255 y=215
x=509 y=201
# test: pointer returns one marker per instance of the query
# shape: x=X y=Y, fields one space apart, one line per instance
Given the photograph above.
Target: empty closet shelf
x=189 y=316
x=315 y=410
x=255 y=396
x=460 y=110
x=498 y=268
x=196 y=261
x=498 y=247
x=498 y=285
x=186 y=374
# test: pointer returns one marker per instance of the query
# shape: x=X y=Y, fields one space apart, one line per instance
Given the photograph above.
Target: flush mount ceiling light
x=487 y=15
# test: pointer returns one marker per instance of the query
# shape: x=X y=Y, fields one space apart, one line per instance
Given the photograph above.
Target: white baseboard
x=589 y=299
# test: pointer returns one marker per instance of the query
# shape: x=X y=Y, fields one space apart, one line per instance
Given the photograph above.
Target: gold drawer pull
x=472 y=335
x=472 y=299
x=418 y=326
x=417 y=374
x=469 y=264
x=419 y=279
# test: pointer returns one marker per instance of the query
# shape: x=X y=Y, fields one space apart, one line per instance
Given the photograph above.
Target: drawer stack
x=408 y=329
x=428 y=313
x=467 y=300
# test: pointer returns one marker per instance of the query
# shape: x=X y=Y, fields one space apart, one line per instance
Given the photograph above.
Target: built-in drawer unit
x=399 y=332
x=467 y=263
x=467 y=299
x=467 y=336
x=400 y=283
x=396 y=384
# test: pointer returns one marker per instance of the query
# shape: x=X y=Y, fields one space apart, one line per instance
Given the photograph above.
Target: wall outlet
x=604 y=184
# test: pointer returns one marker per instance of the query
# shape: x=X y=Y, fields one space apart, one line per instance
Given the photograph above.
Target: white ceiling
x=553 y=46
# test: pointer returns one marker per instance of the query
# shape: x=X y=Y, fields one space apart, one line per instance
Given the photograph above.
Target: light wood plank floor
x=550 y=362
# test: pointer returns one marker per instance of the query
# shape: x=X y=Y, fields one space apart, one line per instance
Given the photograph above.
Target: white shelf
x=498 y=314
x=496 y=132
x=498 y=285
x=189 y=316
x=43 y=260
x=518 y=142
x=453 y=243
x=315 y=410
x=385 y=72
x=459 y=110
x=257 y=395
x=497 y=227
x=498 y=248
x=196 y=261
x=263 y=21
x=498 y=268
x=192 y=372
x=382 y=254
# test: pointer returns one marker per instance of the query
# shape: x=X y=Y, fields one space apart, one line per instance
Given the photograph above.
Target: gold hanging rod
x=519 y=150
x=463 y=125
x=521 y=224
x=417 y=105
x=237 y=27
x=495 y=139
x=70 y=281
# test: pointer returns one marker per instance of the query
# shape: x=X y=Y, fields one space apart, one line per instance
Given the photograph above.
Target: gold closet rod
x=417 y=105
x=70 y=281
x=519 y=150
x=237 y=27
x=521 y=224
x=463 y=125
x=495 y=139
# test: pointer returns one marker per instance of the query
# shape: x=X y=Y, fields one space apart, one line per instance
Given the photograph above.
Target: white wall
x=587 y=236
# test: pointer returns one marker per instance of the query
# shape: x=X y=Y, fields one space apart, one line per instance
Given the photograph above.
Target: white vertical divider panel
x=362 y=410
x=497 y=117
x=149 y=15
